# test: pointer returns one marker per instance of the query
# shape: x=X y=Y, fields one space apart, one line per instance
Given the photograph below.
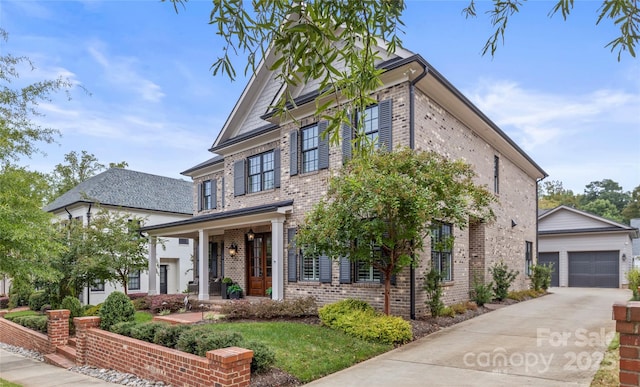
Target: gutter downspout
x=70 y=216
x=89 y=287
x=537 y=220
x=412 y=145
x=89 y=214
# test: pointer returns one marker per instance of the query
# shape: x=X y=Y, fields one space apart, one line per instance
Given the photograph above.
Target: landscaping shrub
x=432 y=285
x=170 y=302
x=370 y=326
x=135 y=296
x=459 y=308
x=447 y=311
x=146 y=331
x=187 y=340
x=331 y=312
x=116 y=308
x=215 y=340
x=37 y=300
x=503 y=277
x=297 y=307
x=73 y=305
x=167 y=336
x=481 y=292
x=521 y=295
x=472 y=305
x=4 y=302
x=142 y=303
x=37 y=323
x=541 y=276
x=123 y=328
x=633 y=276
x=263 y=356
x=20 y=292
x=92 y=310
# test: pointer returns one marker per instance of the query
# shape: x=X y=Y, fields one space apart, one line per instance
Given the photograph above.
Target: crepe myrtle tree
x=379 y=208
x=118 y=246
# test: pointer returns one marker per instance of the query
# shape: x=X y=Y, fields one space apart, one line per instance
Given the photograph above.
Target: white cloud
x=121 y=71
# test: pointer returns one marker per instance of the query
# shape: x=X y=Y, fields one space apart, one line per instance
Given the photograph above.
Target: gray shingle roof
x=131 y=189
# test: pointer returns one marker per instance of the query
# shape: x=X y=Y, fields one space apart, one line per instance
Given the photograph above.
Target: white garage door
x=594 y=269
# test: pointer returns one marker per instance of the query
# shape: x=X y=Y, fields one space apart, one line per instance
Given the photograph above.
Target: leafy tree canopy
x=604 y=208
x=632 y=210
x=606 y=189
x=378 y=210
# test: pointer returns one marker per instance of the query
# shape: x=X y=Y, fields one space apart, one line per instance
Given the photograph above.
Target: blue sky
x=153 y=102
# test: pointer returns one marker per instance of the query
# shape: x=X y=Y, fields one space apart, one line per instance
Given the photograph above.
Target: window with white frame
x=310 y=268
x=133 y=281
x=261 y=172
x=441 y=247
x=310 y=148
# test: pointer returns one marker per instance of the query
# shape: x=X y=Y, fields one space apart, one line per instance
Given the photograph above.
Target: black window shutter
x=323 y=146
x=214 y=193
x=276 y=167
x=222 y=192
x=293 y=153
x=345 y=270
x=199 y=193
x=325 y=269
x=292 y=267
x=384 y=124
x=238 y=177
x=347 y=136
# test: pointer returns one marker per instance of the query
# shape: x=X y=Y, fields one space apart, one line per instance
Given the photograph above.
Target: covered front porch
x=245 y=245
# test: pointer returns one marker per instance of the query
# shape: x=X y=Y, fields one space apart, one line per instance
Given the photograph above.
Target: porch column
x=277 y=251
x=203 y=264
x=153 y=270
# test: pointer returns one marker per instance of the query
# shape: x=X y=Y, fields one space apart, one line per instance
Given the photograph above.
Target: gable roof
x=131 y=189
x=568 y=220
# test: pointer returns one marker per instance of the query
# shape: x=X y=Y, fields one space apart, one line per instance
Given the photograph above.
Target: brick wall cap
x=58 y=314
x=229 y=355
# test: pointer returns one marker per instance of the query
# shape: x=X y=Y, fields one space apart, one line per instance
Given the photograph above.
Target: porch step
x=68 y=352
x=58 y=360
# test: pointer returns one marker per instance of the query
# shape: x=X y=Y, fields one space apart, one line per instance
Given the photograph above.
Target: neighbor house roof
x=607 y=225
x=130 y=189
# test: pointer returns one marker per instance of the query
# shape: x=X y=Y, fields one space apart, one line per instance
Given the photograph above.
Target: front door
x=163 y=279
x=260 y=264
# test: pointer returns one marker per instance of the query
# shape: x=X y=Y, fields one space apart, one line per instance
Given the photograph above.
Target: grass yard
x=142 y=316
x=305 y=351
x=6 y=383
x=22 y=313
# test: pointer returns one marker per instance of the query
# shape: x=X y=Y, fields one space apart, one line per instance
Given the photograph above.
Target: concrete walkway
x=555 y=340
x=32 y=373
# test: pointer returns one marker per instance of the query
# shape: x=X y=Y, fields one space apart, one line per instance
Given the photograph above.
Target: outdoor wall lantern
x=233 y=249
x=250 y=235
x=624 y=257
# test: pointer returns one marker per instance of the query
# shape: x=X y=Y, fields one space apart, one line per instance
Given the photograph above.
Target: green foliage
x=503 y=277
x=116 y=308
x=168 y=302
x=633 y=276
x=433 y=287
x=214 y=340
x=168 y=335
x=541 y=276
x=142 y=303
x=234 y=289
x=396 y=196
x=73 y=305
x=447 y=311
x=522 y=295
x=20 y=292
x=459 y=308
x=142 y=316
x=481 y=292
x=330 y=313
x=37 y=300
x=263 y=356
x=146 y=331
x=632 y=209
x=93 y=310
x=268 y=309
x=37 y=323
x=123 y=328
x=604 y=208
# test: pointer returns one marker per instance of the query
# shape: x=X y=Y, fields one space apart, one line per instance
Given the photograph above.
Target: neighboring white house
x=635 y=223
x=586 y=250
x=157 y=199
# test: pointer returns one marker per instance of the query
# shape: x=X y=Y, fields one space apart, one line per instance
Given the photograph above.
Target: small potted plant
x=269 y=291
x=235 y=292
x=226 y=282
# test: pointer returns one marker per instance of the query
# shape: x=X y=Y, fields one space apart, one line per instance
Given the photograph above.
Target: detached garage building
x=586 y=250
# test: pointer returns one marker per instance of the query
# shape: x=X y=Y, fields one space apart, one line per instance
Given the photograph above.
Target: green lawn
x=307 y=352
x=142 y=316
x=21 y=313
x=6 y=383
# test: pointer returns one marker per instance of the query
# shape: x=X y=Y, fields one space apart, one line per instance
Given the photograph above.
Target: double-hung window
x=261 y=172
x=134 y=280
x=206 y=195
x=369 y=121
x=310 y=268
x=310 y=148
x=366 y=272
x=441 y=247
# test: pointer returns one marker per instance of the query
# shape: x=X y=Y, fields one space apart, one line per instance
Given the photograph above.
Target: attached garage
x=551 y=258
x=587 y=250
x=594 y=269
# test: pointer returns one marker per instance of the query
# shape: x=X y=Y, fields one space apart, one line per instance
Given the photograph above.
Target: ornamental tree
x=379 y=208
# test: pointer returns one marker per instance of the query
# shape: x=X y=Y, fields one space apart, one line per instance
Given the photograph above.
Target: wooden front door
x=260 y=264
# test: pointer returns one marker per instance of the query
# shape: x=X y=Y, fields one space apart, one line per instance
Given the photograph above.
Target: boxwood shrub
x=116 y=308
x=37 y=323
x=38 y=299
x=331 y=312
x=168 y=335
x=146 y=331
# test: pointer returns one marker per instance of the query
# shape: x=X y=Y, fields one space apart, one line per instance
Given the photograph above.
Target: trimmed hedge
x=168 y=335
x=116 y=308
x=269 y=309
x=171 y=302
x=37 y=323
x=146 y=331
x=37 y=300
x=359 y=319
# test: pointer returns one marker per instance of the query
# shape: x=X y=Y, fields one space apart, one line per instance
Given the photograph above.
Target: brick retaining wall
x=57 y=333
x=627 y=318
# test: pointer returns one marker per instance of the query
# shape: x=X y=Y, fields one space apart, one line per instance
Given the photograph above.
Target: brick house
x=269 y=171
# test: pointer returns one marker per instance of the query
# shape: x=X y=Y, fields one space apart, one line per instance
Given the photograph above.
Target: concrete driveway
x=554 y=340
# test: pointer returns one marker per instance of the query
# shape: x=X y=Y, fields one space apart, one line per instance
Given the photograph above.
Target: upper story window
x=206 y=195
x=441 y=247
x=309 y=149
x=496 y=174
x=369 y=121
x=261 y=172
